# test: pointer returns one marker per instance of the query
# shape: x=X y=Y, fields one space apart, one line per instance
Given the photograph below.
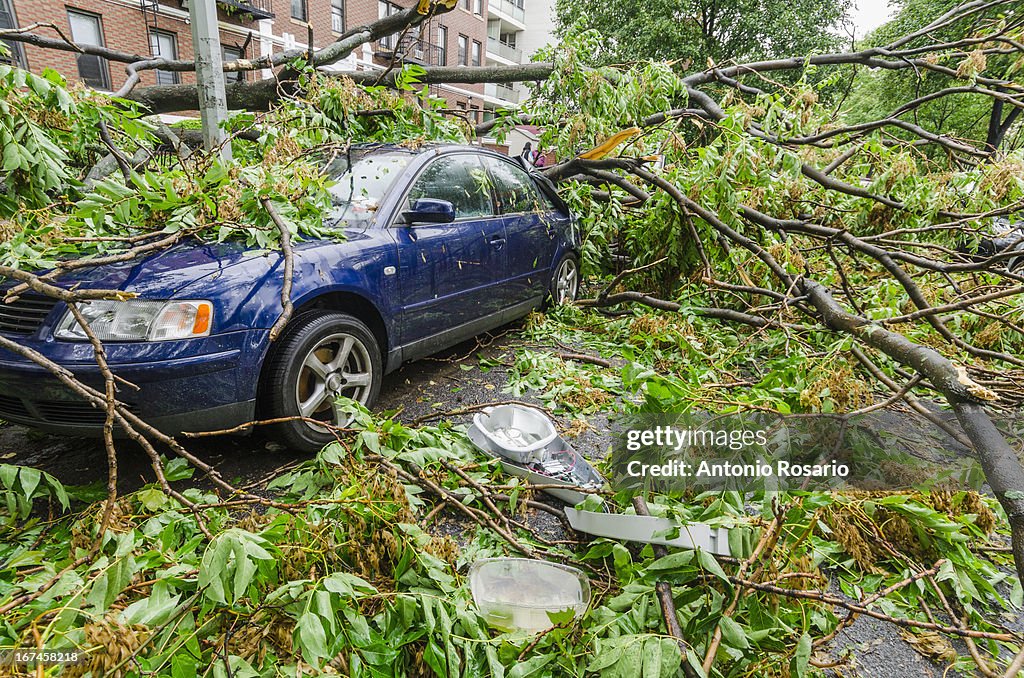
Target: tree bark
x=1000 y=462
x=259 y=95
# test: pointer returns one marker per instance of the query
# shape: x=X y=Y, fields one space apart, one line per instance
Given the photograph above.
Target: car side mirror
x=431 y=211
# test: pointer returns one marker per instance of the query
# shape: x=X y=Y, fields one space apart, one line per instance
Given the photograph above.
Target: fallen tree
x=733 y=197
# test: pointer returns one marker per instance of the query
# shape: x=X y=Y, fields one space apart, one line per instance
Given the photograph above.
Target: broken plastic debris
x=555 y=463
x=650 y=530
x=517 y=594
x=517 y=433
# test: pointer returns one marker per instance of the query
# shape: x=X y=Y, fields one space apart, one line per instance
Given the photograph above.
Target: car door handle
x=497 y=241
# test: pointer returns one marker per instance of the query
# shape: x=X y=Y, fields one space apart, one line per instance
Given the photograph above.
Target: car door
x=531 y=240
x=450 y=275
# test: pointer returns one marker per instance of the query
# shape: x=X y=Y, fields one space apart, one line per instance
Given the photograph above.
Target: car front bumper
x=194 y=385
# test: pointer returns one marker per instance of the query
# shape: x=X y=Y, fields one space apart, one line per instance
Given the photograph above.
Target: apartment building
x=506 y=23
x=143 y=27
x=540 y=28
x=251 y=28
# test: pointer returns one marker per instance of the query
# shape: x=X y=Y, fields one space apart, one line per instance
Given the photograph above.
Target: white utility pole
x=213 y=103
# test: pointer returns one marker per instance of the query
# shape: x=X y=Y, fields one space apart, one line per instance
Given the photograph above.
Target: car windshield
x=361 y=182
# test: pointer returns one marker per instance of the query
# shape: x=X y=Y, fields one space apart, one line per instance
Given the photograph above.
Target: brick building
x=144 y=27
x=251 y=28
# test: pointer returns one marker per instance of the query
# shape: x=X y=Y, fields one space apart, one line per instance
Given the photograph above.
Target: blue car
x=440 y=244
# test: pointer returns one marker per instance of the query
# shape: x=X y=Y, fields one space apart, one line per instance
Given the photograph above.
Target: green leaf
x=561 y=617
x=348 y=585
x=531 y=666
x=708 y=562
x=178 y=469
x=311 y=638
x=802 y=656
x=152 y=498
x=11 y=157
x=29 y=480
x=652 y=658
x=672 y=561
x=732 y=633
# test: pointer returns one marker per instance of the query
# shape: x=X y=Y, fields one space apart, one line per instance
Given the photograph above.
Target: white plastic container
x=516 y=594
x=519 y=433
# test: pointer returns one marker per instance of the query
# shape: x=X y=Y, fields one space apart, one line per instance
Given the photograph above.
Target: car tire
x=565 y=281
x=318 y=356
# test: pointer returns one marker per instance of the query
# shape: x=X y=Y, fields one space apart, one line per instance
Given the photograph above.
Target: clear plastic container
x=516 y=594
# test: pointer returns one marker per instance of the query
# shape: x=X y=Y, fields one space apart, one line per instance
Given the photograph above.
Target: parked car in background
x=1004 y=239
x=440 y=244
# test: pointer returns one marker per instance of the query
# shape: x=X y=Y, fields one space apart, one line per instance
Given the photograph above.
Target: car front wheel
x=565 y=282
x=319 y=358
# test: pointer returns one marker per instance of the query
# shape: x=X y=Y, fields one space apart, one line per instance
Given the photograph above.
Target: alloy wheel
x=566 y=281
x=339 y=365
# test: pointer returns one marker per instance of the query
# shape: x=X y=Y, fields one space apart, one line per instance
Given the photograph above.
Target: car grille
x=12 y=408
x=67 y=412
x=71 y=412
x=25 y=315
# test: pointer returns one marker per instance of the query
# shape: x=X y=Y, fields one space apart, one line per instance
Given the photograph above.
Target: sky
x=869 y=15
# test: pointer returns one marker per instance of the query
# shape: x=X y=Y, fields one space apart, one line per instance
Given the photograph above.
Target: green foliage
x=51 y=208
x=876 y=93
x=723 y=167
x=20 y=486
x=346 y=581
x=693 y=32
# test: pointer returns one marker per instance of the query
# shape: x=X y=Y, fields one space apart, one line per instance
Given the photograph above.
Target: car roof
x=545 y=184
x=373 y=147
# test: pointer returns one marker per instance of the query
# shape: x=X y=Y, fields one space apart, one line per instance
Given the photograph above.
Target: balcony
x=495 y=46
x=256 y=9
x=409 y=50
x=501 y=91
x=510 y=8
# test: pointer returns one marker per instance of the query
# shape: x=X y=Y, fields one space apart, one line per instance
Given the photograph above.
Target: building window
x=467 y=4
x=442 y=45
x=299 y=9
x=14 y=55
x=231 y=53
x=478 y=7
x=463 y=50
x=476 y=53
x=87 y=30
x=165 y=45
x=338 y=16
x=386 y=9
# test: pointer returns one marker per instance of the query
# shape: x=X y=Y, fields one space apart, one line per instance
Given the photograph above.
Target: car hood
x=162 y=274
x=197 y=265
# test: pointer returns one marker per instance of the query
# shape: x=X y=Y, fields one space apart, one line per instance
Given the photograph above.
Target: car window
x=513 y=188
x=459 y=179
x=361 y=183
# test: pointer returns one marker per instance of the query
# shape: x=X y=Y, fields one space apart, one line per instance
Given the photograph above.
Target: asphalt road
x=431 y=386
x=421 y=388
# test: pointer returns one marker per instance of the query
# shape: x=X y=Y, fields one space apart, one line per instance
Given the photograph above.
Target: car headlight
x=138 y=320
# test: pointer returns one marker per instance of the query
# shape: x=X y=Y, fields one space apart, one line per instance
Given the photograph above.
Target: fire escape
x=413 y=47
x=254 y=10
x=150 y=16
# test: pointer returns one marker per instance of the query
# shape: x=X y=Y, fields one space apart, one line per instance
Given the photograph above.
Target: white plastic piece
x=519 y=433
x=583 y=474
x=516 y=594
x=649 y=530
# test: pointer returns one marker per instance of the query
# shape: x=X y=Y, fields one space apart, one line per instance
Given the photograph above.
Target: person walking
x=528 y=154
